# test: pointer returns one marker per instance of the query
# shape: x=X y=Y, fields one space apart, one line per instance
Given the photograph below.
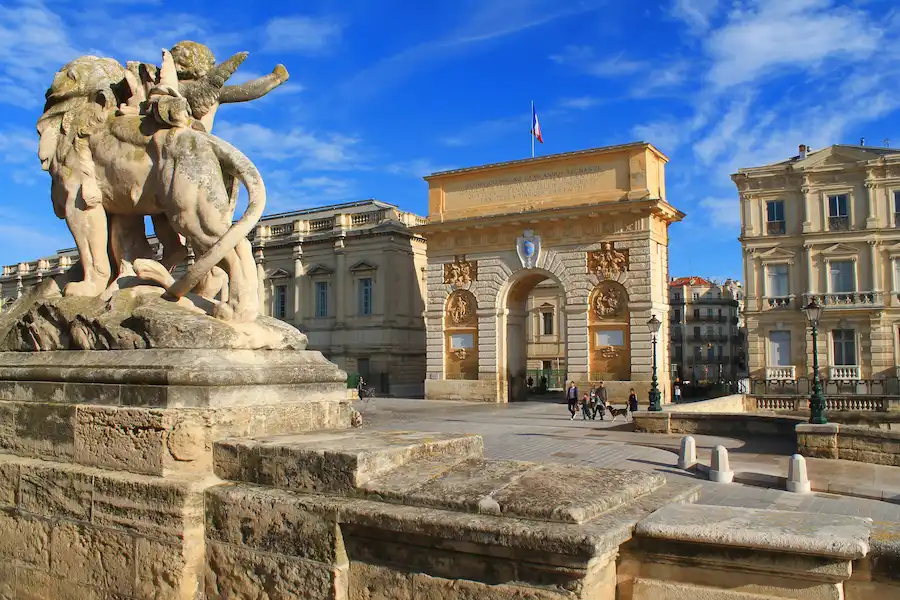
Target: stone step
x=337 y=462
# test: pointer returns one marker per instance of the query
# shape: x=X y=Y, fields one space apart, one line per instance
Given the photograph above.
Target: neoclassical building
x=350 y=276
x=592 y=224
x=823 y=224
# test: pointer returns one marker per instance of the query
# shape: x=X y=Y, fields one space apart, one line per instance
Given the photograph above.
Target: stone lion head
x=82 y=93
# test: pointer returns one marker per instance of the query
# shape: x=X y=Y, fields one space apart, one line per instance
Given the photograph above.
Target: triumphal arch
x=595 y=223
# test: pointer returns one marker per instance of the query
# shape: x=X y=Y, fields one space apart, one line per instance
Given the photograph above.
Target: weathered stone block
x=170 y=571
x=39 y=430
x=31 y=584
x=128 y=439
x=236 y=574
x=9 y=483
x=93 y=555
x=370 y=582
x=272 y=521
x=57 y=492
x=155 y=507
x=24 y=539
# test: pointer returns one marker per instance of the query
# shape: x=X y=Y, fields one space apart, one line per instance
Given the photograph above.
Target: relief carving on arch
x=461 y=308
x=460 y=271
x=607 y=261
x=610 y=300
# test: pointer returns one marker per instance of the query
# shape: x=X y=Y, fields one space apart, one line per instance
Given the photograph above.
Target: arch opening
x=533 y=335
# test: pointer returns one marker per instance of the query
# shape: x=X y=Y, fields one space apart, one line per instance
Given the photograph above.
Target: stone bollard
x=719 y=470
x=687 y=458
x=797 y=481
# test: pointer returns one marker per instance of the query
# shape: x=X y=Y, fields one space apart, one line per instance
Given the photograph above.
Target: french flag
x=536 y=125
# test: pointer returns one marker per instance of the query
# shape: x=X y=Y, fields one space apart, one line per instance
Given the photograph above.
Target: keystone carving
x=608 y=261
x=460 y=271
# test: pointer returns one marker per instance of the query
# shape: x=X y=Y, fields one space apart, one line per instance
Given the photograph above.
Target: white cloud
x=580 y=103
x=307 y=35
x=18 y=145
x=418 y=167
x=722 y=213
x=697 y=14
x=615 y=66
x=305 y=149
x=775 y=36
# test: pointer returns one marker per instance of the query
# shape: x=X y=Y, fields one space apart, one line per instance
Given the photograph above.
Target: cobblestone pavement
x=542 y=432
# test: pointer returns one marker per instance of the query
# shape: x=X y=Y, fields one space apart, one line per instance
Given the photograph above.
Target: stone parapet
x=847 y=442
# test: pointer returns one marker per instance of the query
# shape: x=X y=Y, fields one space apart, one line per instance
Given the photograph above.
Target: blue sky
x=382 y=93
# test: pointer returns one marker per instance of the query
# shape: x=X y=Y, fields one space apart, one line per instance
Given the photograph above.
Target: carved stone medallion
x=608 y=302
x=460 y=271
x=461 y=308
x=607 y=261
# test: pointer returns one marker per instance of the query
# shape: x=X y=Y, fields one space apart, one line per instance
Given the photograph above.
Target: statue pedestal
x=105 y=457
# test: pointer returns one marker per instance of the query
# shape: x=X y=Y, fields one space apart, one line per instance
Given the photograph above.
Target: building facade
x=707 y=330
x=593 y=227
x=823 y=225
x=351 y=276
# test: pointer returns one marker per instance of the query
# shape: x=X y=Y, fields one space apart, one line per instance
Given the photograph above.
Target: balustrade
x=782 y=373
x=846 y=299
x=778 y=301
x=844 y=373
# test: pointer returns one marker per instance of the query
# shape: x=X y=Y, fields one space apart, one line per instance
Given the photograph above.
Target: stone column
x=340 y=283
x=810 y=271
x=300 y=298
x=872 y=217
x=261 y=280
x=809 y=202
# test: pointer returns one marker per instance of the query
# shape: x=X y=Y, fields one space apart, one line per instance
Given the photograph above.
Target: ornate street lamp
x=654 y=324
x=813 y=311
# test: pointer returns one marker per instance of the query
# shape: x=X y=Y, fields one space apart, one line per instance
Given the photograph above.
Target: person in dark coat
x=632 y=401
x=572 y=399
x=602 y=398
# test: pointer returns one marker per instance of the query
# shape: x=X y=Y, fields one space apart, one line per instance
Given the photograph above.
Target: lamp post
x=816 y=400
x=654 y=325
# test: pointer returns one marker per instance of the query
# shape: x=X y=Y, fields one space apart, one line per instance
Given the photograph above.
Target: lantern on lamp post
x=654 y=324
x=813 y=312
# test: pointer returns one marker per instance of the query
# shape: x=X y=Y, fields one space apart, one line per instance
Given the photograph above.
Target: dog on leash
x=617 y=412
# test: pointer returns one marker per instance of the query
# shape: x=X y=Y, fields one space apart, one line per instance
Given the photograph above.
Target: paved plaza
x=541 y=431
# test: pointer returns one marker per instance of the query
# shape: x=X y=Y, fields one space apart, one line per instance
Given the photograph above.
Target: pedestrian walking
x=677 y=393
x=632 y=401
x=602 y=400
x=586 y=407
x=572 y=399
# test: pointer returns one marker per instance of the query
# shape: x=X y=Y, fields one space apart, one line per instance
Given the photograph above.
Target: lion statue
x=112 y=163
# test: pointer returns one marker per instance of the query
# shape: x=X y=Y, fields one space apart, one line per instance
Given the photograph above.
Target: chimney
x=802 y=151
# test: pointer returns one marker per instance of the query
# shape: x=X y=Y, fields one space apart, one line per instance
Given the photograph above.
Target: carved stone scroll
x=460 y=271
x=607 y=262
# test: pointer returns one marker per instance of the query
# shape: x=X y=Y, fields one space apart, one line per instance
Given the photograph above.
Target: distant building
x=350 y=276
x=824 y=225
x=707 y=330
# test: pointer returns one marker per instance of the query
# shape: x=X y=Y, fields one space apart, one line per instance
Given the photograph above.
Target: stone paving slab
x=542 y=432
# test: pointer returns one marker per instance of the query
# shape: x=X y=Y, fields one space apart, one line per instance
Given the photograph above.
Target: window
x=709 y=312
x=697 y=314
x=721 y=352
x=710 y=353
x=780 y=348
x=838 y=212
x=365 y=296
x=676 y=316
x=677 y=296
x=321 y=298
x=775 y=217
x=280 y=301
x=547 y=365
x=897 y=208
x=547 y=323
x=777 y=281
x=844 y=347
x=696 y=332
x=696 y=296
x=841 y=276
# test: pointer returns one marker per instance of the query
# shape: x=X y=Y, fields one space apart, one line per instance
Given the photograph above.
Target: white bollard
x=687 y=458
x=719 y=470
x=797 y=480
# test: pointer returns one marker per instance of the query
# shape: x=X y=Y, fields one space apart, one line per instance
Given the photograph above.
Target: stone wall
x=735 y=403
x=847 y=442
x=472 y=390
x=726 y=424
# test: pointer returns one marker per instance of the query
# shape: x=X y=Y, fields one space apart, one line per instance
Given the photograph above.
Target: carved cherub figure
x=202 y=82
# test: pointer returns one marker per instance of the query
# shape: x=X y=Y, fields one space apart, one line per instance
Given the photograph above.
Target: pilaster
x=809 y=202
x=872 y=201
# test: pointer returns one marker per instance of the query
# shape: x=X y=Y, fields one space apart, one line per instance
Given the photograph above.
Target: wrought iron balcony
x=839 y=223
x=775 y=228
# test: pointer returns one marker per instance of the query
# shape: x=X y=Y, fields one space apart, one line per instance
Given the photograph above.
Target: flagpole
x=532 y=129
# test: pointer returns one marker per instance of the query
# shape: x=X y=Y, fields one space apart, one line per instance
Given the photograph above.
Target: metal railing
x=802 y=387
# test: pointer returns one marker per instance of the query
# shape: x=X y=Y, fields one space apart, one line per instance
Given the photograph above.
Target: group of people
x=593 y=403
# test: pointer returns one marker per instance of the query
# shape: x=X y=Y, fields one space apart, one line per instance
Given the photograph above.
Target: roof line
x=548 y=158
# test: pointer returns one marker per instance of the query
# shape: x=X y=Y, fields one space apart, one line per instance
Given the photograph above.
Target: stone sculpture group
x=122 y=143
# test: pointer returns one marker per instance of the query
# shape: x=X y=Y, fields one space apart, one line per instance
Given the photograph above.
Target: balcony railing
x=846 y=299
x=844 y=373
x=839 y=223
x=783 y=373
x=856 y=403
x=778 y=301
x=775 y=228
